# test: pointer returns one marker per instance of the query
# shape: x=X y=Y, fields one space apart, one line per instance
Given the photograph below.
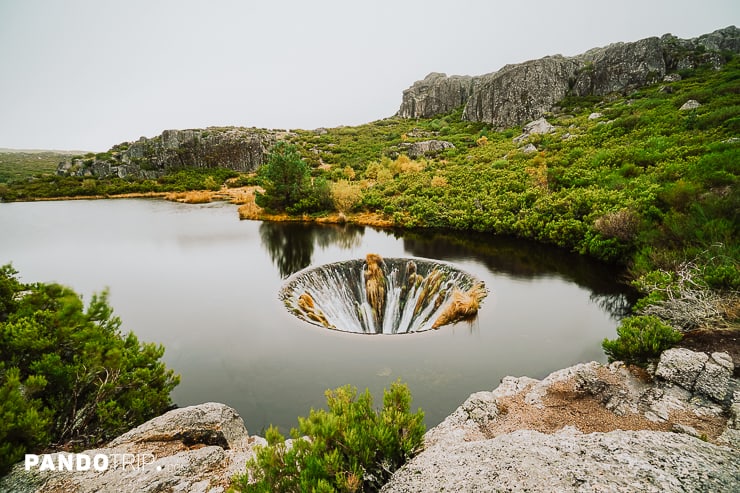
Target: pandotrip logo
x=85 y=462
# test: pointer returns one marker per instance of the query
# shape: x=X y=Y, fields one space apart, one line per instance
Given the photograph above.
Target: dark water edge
x=205 y=285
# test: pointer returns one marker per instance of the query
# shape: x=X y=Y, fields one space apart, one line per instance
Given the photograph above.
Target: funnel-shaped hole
x=383 y=296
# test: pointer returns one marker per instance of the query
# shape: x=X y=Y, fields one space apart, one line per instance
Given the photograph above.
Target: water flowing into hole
x=383 y=296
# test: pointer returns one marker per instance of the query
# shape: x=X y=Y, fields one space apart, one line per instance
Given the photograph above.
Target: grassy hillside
x=18 y=165
x=626 y=178
x=631 y=179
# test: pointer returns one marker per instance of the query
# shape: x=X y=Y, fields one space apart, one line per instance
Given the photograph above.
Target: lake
x=205 y=285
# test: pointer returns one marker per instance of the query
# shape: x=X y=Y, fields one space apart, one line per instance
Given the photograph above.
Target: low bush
x=349 y=448
x=640 y=339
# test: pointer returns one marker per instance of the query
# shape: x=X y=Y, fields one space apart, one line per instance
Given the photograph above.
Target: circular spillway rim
x=284 y=297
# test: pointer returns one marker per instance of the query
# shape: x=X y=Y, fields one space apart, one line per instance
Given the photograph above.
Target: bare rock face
x=520 y=93
x=434 y=95
x=193 y=449
x=568 y=460
x=705 y=375
x=206 y=424
x=619 y=67
x=527 y=91
x=591 y=427
x=240 y=149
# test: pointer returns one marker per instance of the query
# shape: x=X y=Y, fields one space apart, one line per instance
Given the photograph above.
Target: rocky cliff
x=240 y=149
x=523 y=92
x=436 y=94
x=513 y=95
x=590 y=427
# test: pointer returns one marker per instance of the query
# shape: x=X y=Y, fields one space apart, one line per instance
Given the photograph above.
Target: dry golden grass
x=249 y=210
x=307 y=306
x=136 y=195
x=375 y=285
x=239 y=196
x=464 y=305
x=194 y=197
x=439 y=181
x=429 y=287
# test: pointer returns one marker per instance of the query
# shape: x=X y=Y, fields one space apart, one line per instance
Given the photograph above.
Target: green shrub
x=286 y=179
x=350 y=447
x=22 y=427
x=316 y=198
x=67 y=374
x=243 y=180
x=640 y=339
x=210 y=183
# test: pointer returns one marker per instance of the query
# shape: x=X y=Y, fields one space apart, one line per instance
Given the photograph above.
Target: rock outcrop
x=416 y=150
x=240 y=149
x=618 y=67
x=569 y=460
x=193 y=449
x=536 y=127
x=523 y=92
x=591 y=428
x=519 y=93
x=436 y=94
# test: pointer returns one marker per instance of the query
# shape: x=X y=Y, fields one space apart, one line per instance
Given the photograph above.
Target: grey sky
x=88 y=74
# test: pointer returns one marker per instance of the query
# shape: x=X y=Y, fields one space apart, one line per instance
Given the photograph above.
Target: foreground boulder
x=591 y=427
x=569 y=460
x=192 y=449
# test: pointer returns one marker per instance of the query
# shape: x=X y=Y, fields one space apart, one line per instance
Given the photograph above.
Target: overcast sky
x=88 y=74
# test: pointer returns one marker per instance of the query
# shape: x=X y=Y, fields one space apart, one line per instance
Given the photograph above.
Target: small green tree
x=285 y=177
x=348 y=448
x=67 y=374
x=640 y=339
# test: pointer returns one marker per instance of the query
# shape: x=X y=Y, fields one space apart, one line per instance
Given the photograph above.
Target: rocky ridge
x=526 y=91
x=511 y=96
x=436 y=94
x=240 y=149
x=590 y=427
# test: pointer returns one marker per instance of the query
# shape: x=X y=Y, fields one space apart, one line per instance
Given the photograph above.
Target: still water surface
x=205 y=285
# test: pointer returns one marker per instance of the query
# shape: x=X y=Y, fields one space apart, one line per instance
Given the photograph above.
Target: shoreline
x=247 y=209
x=244 y=198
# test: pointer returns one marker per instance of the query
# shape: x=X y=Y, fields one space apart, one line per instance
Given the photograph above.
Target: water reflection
x=527 y=260
x=291 y=245
x=618 y=305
